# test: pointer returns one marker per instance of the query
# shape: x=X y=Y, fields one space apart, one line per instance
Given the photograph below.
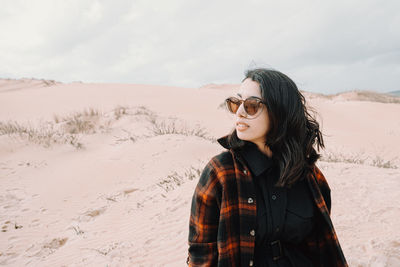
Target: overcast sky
x=324 y=46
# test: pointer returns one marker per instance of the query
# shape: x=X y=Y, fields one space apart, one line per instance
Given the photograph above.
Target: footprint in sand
x=47 y=248
x=91 y=214
x=8 y=226
x=10 y=201
x=130 y=190
x=56 y=243
x=35 y=223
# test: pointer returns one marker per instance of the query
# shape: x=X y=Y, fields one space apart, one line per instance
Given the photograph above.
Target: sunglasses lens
x=232 y=104
x=251 y=106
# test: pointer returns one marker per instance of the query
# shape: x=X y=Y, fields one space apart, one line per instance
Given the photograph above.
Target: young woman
x=263 y=202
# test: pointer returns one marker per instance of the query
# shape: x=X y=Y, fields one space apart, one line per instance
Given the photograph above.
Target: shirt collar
x=256 y=160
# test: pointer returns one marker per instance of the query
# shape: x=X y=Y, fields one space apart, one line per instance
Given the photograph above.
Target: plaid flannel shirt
x=222 y=220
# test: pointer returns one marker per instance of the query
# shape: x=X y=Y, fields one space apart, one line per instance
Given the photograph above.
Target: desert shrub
x=171 y=181
x=358 y=158
x=175 y=179
x=151 y=116
x=142 y=110
x=80 y=122
x=382 y=163
x=65 y=129
x=330 y=156
x=11 y=127
x=49 y=82
x=46 y=135
x=192 y=173
x=178 y=127
x=120 y=111
x=80 y=125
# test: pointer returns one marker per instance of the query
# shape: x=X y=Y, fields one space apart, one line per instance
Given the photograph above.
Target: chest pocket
x=300 y=211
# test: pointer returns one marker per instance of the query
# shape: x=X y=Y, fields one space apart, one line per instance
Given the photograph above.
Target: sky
x=324 y=46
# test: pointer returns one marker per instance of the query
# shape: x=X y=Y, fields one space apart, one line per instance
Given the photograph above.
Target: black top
x=282 y=214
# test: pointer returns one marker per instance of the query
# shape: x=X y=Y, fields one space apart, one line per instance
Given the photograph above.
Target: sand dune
x=103 y=174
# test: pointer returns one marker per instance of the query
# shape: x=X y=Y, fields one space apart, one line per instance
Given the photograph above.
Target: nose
x=241 y=112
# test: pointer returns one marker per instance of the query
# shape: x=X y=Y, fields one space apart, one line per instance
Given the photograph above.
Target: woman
x=263 y=202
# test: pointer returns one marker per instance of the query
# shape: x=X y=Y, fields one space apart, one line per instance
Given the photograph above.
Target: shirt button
x=250 y=200
x=251 y=263
x=273 y=197
x=252 y=233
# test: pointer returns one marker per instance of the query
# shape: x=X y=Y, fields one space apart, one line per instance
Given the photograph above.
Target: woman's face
x=256 y=126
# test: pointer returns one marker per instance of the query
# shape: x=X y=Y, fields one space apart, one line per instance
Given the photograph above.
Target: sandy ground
x=103 y=174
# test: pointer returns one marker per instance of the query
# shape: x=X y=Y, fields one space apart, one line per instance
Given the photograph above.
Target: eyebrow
x=248 y=97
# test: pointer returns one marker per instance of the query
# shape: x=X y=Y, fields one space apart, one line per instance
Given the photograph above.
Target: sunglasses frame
x=259 y=100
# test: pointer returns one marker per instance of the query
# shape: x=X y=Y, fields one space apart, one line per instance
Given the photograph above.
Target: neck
x=265 y=149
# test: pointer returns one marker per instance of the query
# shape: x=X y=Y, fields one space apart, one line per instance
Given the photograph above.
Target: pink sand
x=124 y=198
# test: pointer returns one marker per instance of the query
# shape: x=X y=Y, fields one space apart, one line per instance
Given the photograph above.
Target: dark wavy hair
x=293 y=131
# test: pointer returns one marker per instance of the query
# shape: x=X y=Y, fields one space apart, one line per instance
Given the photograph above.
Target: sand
x=103 y=174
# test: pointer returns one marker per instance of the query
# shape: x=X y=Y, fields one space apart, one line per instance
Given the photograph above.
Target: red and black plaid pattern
x=222 y=219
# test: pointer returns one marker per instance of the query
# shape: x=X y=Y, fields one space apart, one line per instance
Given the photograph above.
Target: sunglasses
x=252 y=105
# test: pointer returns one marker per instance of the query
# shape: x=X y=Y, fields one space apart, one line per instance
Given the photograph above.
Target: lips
x=241 y=126
x=241 y=123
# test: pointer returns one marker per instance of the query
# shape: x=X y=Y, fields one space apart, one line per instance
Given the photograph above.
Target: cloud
x=325 y=46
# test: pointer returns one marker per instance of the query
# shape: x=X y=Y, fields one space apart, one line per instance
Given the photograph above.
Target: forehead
x=249 y=88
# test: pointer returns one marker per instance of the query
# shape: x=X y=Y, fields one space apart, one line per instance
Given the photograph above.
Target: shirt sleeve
x=322 y=245
x=204 y=219
x=324 y=187
x=314 y=245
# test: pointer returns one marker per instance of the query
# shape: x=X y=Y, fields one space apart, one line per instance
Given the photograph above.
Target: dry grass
x=120 y=111
x=150 y=115
x=12 y=128
x=142 y=110
x=175 y=179
x=80 y=122
x=358 y=158
x=175 y=126
x=164 y=126
x=64 y=130
x=382 y=163
x=67 y=129
x=46 y=136
x=49 y=82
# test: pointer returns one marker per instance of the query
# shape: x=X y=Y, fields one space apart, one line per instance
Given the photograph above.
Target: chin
x=243 y=136
x=248 y=136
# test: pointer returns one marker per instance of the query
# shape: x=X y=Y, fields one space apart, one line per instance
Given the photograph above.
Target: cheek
x=261 y=126
x=265 y=123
